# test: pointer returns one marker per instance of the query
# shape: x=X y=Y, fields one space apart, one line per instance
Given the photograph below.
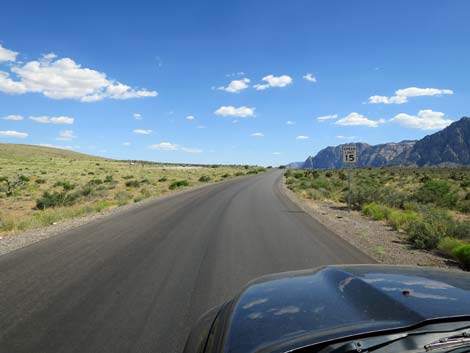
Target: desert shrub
x=362 y=194
x=437 y=192
x=95 y=181
x=162 y=179
x=321 y=183
x=440 y=221
x=342 y=176
x=139 y=198
x=423 y=236
x=253 y=171
x=288 y=173
x=127 y=177
x=239 y=174
x=462 y=230
x=91 y=173
x=464 y=206
x=401 y=220
x=391 y=197
x=145 y=181
x=226 y=175
x=205 y=178
x=465 y=183
x=66 y=185
x=178 y=184
x=328 y=174
x=122 y=198
x=55 y=199
x=462 y=254
x=447 y=245
x=40 y=181
x=108 y=179
x=298 y=175
x=102 y=205
x=376 y=211
x=132 y=183
x=23 y=178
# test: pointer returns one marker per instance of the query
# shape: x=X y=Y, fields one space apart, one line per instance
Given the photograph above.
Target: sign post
x=349 y=158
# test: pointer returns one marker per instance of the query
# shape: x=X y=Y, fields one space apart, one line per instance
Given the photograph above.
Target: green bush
x=102 y=205
x=162 y=179
x=66 y=185
x=437 y=192
x=462 y=231
x=178 y=184
x=226 y=175
x=462 y=254
x=108 y=179
x=376 y=211
x=464 y=206
x=401 y=220
x=252 y=172
x=423 y=235
x=95 y=181
x=239 y=174
x=133 y=183
x=204 y=179
x=447 y=245
x=55 y=199
x=127 y=177
x=40 y=181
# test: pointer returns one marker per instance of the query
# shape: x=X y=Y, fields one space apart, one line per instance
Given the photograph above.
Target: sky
x=262 y=82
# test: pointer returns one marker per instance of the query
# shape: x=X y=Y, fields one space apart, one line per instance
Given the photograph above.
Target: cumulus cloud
x=242 y=112
x=257 y=134
x=309 y=77
x=137 y=116
x=66 y=135
x=142 y=132
x=290 y=122
x=16 y=134
x=424 y=120
x=168 y=146
x=274 y=81
x=356 y=119
x=127 y=144
x=52 y=120
x=190 y=117
x=236 y=86
x=327 y=117
x=401 y=96
x=302 y=137
x=66 y=79
x=13 y=117
x=7 y=54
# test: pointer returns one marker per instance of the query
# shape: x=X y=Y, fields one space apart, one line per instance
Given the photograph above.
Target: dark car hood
x=286 y=310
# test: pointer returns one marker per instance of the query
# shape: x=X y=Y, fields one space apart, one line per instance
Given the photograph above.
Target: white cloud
x=276 y=153
x=236 y=86
x=137 y=116
x=66 y=135
x=401 y=96
x=200 y=127
x=64 y=78
x=168 y=146
x=257 y=134
x=126 y=144
x=13 y=117
x=356 y=119
x=274 y=81
x=241 y=112
x=142 y=132
x=191 y=150
x=52 y=120
x=302 y=137
x=7 y=54
x=290 y=122
x=16 y=134
x=327 y=117
x=341 y=137
x=424 y=120
x=190 y=117
x=309 y=77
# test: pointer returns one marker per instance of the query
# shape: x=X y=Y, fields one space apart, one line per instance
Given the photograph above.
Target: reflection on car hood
x=331 y=302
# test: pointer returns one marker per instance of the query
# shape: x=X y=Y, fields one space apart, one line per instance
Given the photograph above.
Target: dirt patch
x=375 y=238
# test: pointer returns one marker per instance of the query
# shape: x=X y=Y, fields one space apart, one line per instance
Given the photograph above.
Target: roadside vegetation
x=431 y=206
x=40 y=186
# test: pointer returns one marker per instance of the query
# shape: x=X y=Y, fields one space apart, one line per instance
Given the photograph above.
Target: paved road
x=137 y=282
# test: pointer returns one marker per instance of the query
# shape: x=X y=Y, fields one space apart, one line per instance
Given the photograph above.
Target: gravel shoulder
x=375 y=238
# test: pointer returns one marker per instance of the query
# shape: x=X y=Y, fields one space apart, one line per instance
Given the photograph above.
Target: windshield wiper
x=460 y=340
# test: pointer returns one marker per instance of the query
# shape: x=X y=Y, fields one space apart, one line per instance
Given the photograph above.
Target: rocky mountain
x=450 y=146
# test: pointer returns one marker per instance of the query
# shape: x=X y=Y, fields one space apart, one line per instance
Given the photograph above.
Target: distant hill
x=448 y=147
x=16 y=151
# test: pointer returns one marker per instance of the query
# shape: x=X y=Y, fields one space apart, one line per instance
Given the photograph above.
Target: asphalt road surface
x=136 y=282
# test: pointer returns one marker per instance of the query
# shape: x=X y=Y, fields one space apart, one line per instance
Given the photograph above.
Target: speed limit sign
x=349 y=154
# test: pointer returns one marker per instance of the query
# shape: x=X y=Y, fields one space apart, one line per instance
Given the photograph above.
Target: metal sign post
x=349 y=158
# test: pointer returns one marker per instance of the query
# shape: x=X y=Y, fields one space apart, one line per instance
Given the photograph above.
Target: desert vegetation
x=40 y=186
x=430 y=205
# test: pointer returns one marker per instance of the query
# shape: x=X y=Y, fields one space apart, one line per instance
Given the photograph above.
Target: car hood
x=279 y=312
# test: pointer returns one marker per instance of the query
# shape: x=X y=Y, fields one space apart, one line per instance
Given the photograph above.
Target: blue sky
x=120 y=78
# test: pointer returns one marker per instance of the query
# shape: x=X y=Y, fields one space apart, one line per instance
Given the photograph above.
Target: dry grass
x=99 y=183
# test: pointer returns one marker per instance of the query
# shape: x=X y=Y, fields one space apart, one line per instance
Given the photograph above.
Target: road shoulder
x=374 y=238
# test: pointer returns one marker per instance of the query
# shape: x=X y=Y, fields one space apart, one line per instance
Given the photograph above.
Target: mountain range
x=448 y=147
